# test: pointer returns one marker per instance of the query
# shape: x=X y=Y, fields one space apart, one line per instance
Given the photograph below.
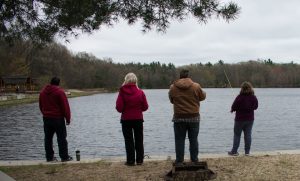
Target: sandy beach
x=259 y=166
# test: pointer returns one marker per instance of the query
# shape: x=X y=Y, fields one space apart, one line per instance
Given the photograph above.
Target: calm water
x=95 y=128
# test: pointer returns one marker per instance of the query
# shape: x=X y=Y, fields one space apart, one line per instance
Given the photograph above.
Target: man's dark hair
x=184 y=73
x=55 y=81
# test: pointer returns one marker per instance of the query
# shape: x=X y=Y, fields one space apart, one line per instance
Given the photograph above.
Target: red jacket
x=131 y=102
x=53 y=103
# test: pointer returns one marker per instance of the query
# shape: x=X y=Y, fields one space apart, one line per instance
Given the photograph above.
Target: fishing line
x=228 y=82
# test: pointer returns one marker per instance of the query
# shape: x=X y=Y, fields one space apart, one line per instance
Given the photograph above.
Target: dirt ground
x=280 y=167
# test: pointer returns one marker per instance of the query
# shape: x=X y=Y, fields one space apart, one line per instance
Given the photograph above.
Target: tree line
x=83 y=70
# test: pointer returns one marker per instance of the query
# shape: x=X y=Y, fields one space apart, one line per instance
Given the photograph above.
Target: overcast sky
x=264 y=29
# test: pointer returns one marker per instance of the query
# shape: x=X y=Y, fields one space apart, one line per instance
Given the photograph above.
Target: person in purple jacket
x=243 y=106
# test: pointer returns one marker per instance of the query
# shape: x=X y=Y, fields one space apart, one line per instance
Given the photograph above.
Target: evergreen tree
x=41 y=20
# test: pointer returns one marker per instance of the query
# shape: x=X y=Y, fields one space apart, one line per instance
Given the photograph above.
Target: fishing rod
x=228 y=81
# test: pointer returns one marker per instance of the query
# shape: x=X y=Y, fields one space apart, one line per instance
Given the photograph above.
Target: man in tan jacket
x=185 y=95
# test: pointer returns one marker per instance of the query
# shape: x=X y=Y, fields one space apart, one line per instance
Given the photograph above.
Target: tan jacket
x=185 y=95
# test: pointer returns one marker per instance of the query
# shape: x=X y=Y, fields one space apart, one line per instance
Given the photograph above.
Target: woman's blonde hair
x=130 y=78
x=247 y=88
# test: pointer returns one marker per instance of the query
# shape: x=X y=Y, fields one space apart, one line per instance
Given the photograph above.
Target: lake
x=96 y=130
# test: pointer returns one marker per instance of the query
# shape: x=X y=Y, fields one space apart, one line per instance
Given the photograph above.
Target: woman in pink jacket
x=132 y=102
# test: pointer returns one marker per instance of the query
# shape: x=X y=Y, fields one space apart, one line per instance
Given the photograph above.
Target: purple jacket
x=244 y=106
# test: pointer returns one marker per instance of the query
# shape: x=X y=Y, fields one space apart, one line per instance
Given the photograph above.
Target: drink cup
x=77 y=155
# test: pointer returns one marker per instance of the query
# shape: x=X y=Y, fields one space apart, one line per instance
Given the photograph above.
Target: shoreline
x=32 y=98
x=151 y=158
x=272 y=165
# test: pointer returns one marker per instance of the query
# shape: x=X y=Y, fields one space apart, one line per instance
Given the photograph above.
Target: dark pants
x=246 y=127
x=133 y=136
x=180 y=129
x=58 y=126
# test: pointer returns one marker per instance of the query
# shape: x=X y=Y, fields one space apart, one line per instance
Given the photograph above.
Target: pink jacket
x=131 y=102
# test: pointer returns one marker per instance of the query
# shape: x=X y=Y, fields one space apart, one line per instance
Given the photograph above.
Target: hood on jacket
x=129 y=89
x=49 y=89
x=184 y=83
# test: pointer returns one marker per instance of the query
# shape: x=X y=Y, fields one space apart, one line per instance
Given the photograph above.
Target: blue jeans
x=246 y=127
x=180 y=129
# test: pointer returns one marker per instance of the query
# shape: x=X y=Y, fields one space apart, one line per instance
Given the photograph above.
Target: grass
x=34 y=97
x=18 y=101
x=78 y=94
x=281 y=167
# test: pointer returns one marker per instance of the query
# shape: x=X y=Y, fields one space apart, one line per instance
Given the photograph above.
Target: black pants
x=133 y=136
x=58 y=126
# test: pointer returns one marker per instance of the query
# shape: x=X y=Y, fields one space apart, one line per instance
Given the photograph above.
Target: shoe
x=233 y=153
x=139 y=163
x=67 y=159
x=247 y=154
x=54 y=159
x=180 y=164
x=129 y=164
x=195 y=161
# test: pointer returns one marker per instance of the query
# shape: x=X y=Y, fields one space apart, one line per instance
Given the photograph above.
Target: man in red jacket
x=55 y=108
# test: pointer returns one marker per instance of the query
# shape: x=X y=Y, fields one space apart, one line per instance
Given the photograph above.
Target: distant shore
x=16 y=99
x=283 y=165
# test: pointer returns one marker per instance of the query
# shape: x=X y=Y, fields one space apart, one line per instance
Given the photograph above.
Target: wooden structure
x=191 y=172
x=1 y=85
x=17 y=83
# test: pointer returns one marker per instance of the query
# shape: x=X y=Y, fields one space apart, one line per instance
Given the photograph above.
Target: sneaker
x=129 y=164
x=54 y=159
x=195 y=161
x=247 y=154
x=178 y=164
x=139 y=163
x=233 y=153
x=67 y=159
